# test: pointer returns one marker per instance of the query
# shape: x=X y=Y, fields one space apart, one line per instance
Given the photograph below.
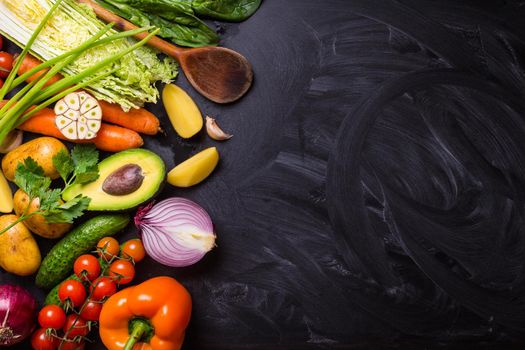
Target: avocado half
x=153 y=171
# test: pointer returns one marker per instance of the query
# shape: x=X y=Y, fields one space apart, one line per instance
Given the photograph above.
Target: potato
x=42 y=150
x=182 y=111
x=6 y=196
x=195 y=169
x=37 y=223
x=19 y=253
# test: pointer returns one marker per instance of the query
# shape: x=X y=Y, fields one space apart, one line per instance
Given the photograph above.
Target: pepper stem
x=138 y=329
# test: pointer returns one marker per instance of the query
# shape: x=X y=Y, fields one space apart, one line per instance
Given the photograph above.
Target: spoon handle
x=108 y=16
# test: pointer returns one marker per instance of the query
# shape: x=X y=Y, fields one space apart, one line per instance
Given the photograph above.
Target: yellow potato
x=6 y=196
x=182 y=111
x=19 y=253
x=195 y=169
x=37 y=223
x=42 y=150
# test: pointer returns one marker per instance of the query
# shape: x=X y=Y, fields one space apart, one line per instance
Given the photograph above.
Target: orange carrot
x=109 y=138
x=139 y=119
x=31 y=62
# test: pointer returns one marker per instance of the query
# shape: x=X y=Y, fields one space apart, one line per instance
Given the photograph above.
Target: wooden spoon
x=220 y=74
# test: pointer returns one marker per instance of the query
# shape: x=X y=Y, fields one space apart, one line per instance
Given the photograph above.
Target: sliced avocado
x=120 y=169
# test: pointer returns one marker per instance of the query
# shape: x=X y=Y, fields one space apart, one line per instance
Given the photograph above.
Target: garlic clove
x=62 y=122
x=72 y=101
x=82 y=131
x=13 y=139
x=70 y=132
x=94 y=113
x=214 y=131
x=72 y=114
x=93 y=125
x=88 y=104
x=61 y=107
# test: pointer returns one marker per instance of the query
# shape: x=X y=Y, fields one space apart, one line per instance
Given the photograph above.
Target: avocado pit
x=123 y=181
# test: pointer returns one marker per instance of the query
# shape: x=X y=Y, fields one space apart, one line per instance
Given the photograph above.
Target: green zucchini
x=59 y=261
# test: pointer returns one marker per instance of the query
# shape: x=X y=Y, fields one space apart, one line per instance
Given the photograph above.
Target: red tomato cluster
x=96 y=280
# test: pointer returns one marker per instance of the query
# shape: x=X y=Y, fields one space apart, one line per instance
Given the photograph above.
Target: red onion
x=176 y=231
x=18 y=311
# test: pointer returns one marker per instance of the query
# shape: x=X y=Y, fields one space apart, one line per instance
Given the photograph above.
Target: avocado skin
x=154 y=176
x=58 y=263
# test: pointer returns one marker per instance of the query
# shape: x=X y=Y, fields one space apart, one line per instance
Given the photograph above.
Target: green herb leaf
x=85 y=158
x=64 y=164
x=49 y=200
x=29 y=176
x=89 y=175
x=69 y=211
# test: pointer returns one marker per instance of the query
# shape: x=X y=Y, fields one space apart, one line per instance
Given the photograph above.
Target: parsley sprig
x=81 y=167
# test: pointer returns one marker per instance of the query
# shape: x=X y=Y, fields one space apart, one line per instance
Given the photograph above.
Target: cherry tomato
x=122 y=271
x=76 y=325
x=1 y=83
x=110 y=247
x=91 y=311
x=1 y=42
x=6 y=64
x=87 y=267
x=41 y=341
x=102 y=287
x=134 y=249
x=73 y=345
x=72 y=290
x=52 y=316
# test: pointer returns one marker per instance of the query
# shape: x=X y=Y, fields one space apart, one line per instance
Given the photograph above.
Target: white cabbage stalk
x=133 y=83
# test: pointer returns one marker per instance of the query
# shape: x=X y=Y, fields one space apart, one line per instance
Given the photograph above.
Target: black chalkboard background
x=373 y=194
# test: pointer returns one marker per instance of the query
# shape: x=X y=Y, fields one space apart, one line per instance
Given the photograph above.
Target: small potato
x=42 y=150
x=37 y=223
x=19 y=253
x=6 y=196
x=182 y=111
x=195 y=169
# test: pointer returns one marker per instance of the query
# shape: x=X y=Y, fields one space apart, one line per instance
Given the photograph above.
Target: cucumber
x=59 y=261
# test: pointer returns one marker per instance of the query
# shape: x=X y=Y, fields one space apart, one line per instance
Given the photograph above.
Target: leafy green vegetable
x=79 y=168
x=226 y=10
x=175 y=19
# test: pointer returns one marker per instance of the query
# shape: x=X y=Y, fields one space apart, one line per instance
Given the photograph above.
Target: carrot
x=109 y=138
x=31 y=62
x=139 y=119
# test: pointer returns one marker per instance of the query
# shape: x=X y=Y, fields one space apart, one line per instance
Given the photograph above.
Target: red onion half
x=18 y=310
x=176 y=231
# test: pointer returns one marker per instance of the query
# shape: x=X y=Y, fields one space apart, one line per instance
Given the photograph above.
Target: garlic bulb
x=78 y=116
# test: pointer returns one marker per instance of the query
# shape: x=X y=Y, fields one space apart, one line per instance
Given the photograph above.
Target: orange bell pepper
x=150 y=316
